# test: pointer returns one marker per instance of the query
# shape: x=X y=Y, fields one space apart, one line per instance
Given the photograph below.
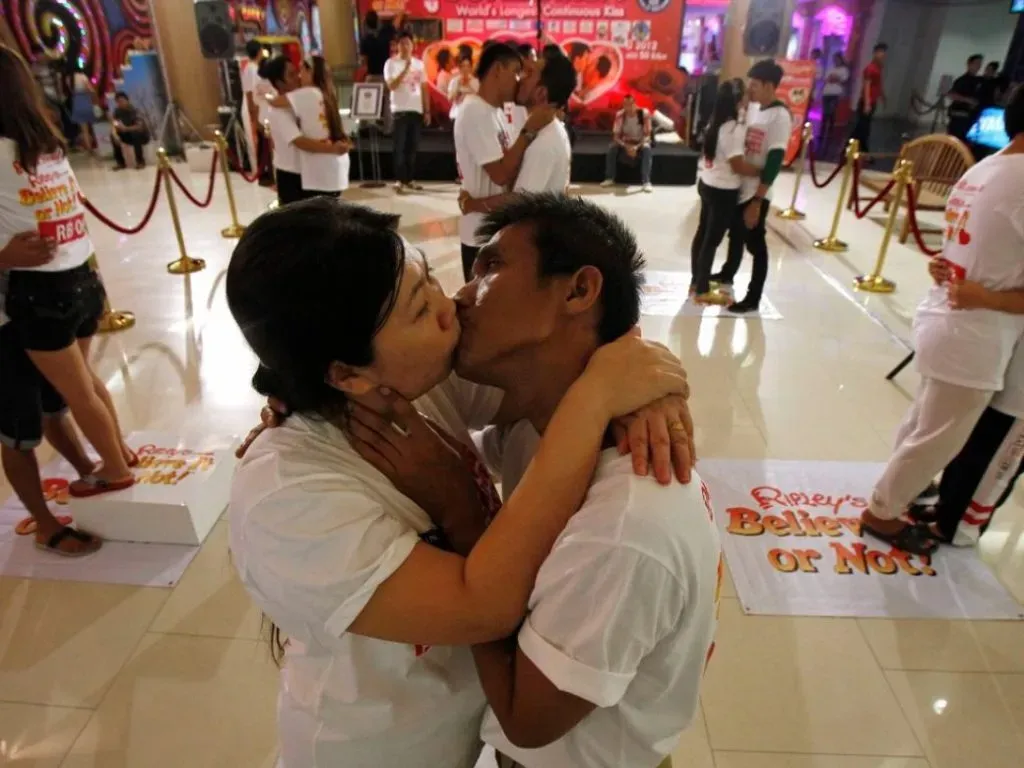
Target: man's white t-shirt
x=259 y=87
x=718 y=173
x=408 y=96
x=284 y=129
x=768 y=128
x=623 y=613
x=547 y=162
x=320 y=172
x=314 y=530
x=837 y=88
x=481 y=138
x=984 y=242
x=46 y=202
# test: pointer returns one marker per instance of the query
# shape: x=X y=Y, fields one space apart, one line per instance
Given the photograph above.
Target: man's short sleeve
x=284 y=126
x=391 y=69
x=322 y=549
x=782 y=126
x=597 y=610
x=480 y=133
x=249 y=77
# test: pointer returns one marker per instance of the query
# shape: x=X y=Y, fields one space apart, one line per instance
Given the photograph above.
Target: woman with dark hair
x=315 y=107
x=350 y=564
x=722 y=167
x=54 y=308
x=445 y=65
x=83 y=108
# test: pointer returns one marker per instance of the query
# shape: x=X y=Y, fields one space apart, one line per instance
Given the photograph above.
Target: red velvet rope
x=912 y=215
x=209 y=190
x=236 y=166
x=813 y=170
x=855 y=196
x=145 y=218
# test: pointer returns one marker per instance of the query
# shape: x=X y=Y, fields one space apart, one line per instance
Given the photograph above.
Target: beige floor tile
x=181 y=701
x=961 y=719
x=1011 y=688
x=768 y=760
x=799 y=685
x=62 y=643
x=943 y=646
x=37 y=736
x=210 y=600
x=693 y=750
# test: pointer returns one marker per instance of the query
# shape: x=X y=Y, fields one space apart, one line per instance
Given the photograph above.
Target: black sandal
x=52 y=544
x=923 y=513
x=912 y=538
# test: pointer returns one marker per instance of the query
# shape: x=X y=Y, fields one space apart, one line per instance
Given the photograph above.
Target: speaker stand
x=375 y=182
x=173 y=118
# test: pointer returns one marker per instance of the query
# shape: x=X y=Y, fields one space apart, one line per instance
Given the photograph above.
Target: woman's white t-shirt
x=320 y=172
x=836 y=87
x=458 y=91
x=46 y=202
x=984 y=242
x=718 y=173
x=314 y=530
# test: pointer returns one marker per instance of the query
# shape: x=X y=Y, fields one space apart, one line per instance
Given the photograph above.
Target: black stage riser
x=673 y=163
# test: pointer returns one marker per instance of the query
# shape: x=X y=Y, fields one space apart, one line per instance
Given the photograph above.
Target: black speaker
x=216 y=29
x=766 y=28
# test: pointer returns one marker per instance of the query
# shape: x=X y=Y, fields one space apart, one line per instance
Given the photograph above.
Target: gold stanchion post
x=236 y=229
x=266 y=130
x=833 y=244
x=184 y=264
x=875 y=283
x=791 y=213
x=112 y=320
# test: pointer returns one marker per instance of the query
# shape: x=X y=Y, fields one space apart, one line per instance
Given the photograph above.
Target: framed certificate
x=367 y=101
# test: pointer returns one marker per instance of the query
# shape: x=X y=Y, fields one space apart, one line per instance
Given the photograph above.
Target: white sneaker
x=608 y=183
x=648 y=188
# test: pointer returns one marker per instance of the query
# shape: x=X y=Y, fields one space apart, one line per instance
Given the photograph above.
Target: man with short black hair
x=256 y=90
x=607 y=666
x=410 y=109
x=631 y=141
x=488 y=160
x=769 y=125
x=872 y=94
x=129 y=129
x=964 y=99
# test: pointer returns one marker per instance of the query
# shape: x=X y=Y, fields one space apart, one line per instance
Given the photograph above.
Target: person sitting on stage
x=547 y=163
x=129 y=129
x=631 y=140
x=962 y=354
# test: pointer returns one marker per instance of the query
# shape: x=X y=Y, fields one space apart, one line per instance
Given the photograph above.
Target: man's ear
x=351 y=381
x=584 y=290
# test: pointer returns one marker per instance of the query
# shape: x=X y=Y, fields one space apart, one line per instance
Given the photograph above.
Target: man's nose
x=464 y=296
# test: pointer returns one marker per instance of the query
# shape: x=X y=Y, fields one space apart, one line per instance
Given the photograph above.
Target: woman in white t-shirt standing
x=54 y=309
x=720 y=177
x=377 y=670
x=461 y=86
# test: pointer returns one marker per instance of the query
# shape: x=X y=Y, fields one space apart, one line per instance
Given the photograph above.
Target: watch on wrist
x=529 y=136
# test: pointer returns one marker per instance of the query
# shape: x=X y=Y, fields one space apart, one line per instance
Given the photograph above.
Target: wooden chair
x=939 y=162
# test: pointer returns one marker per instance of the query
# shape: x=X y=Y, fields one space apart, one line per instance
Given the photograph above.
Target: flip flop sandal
x=28 y=526
x=94 y=486
x=53 y=544
x=912 y=538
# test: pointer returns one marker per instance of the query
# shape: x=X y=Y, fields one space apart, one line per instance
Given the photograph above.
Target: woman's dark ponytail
x=726 y=108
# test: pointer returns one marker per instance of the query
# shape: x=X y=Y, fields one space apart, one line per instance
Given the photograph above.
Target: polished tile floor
x=123 y=677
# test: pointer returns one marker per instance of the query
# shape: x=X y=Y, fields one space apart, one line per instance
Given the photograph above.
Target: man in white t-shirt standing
x=836 y=79
x=488 y=161
x=547 y=164
x=768 y=128
x=257 y=90
x=622 y=616
x=410 y=110
x=961 y=354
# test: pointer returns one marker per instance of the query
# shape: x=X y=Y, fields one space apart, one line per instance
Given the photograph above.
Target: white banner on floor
x=791 y=535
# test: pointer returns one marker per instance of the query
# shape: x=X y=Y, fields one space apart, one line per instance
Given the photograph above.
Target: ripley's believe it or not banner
x=617 y=46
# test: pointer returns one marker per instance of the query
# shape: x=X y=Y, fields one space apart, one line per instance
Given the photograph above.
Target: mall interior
x=832 y=649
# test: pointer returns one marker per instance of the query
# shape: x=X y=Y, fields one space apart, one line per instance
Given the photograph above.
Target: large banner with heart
x=617 y=47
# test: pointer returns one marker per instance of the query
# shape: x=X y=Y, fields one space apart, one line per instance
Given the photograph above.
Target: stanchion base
x=874 y=284
x=791 y=214
x=831 y=244
x=116 y=320
x=186 y=265
x=235 y=231
x=373 y=184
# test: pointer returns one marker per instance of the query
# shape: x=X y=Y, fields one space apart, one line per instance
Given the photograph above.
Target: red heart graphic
x=964 y=237
x=593 y=80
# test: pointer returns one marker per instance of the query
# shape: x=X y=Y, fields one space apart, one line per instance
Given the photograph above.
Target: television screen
x=1016 y=6
x=990 y=130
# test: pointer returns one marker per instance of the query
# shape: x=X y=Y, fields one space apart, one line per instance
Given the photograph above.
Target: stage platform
x=674 y=164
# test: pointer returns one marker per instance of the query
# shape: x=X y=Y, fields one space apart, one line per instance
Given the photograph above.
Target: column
x=734 y=62
x=337 y=27
x=193 y=79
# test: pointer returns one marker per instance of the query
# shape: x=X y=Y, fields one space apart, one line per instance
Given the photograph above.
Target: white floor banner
x=791 y=535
